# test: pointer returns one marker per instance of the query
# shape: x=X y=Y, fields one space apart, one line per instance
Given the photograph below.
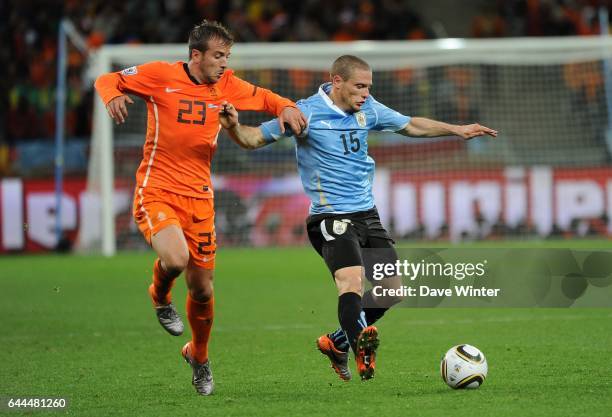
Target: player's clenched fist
x=117 y=108
x=228 y=116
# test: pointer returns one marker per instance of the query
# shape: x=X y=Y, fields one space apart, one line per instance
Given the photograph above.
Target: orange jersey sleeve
x=140 y=80
x=246 y=96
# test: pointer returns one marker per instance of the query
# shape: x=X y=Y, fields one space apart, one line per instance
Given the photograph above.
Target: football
x=464 y=366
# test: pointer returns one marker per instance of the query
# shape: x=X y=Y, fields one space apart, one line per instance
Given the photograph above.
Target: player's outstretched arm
x=246 y=96
x=246 y=137
x=423 y=127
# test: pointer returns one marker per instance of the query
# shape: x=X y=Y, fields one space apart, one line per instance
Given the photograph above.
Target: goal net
x=547 y=174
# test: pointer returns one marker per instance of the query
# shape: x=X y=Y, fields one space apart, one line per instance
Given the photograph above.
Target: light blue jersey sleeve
x=387 y=119
x=271 y=129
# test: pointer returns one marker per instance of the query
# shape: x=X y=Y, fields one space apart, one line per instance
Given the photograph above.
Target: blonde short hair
x=346 y=64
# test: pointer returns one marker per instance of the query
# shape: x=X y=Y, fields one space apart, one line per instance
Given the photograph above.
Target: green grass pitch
x=83 y=328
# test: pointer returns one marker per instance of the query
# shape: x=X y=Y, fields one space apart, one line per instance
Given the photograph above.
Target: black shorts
x=341 y=238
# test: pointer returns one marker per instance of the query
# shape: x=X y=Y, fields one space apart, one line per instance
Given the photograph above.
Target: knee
x=389 y=301
x=348 y=281
x=202 y=292
x=391 y=285
x=176 y=263
x=201 y=295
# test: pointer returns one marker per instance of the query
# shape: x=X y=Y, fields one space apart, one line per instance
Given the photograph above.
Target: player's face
x=355 y=90
x=213 y=63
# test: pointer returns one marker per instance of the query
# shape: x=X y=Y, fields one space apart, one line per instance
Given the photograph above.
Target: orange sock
x=200 y=317
x=162 y=284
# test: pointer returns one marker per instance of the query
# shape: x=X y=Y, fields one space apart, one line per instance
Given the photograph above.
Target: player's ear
x=196 y=55
x=336 y=80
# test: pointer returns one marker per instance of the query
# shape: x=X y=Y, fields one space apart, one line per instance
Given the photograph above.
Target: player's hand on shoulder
x=117 y=108
x=294 y=119
x=471 y=131
x=228 y=116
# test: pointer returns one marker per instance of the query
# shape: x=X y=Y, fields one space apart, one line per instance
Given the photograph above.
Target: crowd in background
x=538 y=18
x=29 y=34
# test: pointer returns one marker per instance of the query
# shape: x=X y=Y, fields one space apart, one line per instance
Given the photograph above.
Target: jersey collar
x=324 y=89
x=191 y=77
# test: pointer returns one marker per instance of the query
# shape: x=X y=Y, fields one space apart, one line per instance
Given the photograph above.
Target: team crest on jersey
x=130 y=71
x=339 y=227
x=361 y=119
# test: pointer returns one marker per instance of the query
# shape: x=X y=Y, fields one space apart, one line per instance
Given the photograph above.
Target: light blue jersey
x=336 y=171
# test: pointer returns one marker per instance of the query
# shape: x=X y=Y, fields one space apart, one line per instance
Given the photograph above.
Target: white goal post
x=526 y=55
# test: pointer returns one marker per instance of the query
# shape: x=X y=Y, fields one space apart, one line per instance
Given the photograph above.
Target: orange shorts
x=155 y=209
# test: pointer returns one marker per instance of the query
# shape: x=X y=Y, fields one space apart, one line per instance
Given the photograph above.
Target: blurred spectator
x=585 y=84
x=452 y=88
x=489 y=24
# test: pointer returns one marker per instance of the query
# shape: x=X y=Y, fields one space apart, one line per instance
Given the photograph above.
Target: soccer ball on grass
x=464 y=366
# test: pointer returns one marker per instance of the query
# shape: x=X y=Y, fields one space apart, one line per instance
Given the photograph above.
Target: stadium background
x=81 y=326
x=553 y=121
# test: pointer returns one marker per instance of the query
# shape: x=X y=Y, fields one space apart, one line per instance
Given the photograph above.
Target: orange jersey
x=183 y=121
